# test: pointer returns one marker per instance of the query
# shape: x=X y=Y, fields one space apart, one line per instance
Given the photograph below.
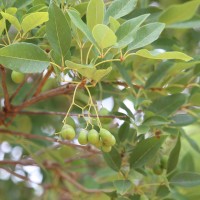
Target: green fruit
x=106 y=137
x=99 y=144
x=104 y=112
x=157 y=170
x=106 y=148
x=67 y=132
x=82 y=138
x=93 y=137
x=17 y=77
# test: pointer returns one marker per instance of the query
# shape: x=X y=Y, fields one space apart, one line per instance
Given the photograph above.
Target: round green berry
x=70 y=121
x=17 y=77
x=106 y=148
x=82 y=138
x=67 y=132
x=106 y=137
x=93 y=137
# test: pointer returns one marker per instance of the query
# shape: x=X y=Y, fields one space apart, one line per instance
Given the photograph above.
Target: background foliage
x=142 y=57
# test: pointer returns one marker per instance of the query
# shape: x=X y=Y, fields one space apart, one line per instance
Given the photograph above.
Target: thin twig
x=79 y=186
x=4 y=86
x=49 y=139
x=43 y=81
x=18 y=89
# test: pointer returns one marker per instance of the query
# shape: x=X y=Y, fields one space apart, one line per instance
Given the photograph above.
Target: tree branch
x=4 y=86
x=79 y=186
x=39 y=88
x=49 y=139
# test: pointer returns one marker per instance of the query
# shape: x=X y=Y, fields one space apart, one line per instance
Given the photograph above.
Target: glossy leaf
x=146 y=35
x=88 y=71
x=166 y=55
x=186 y=179
x=33 y=20
x=114 y=24
x=180 y=12
x=155 y=121
x=24 y=57
x=122 y=186
x=195 y=99
x=113 y=159
x=2 y=26
x=125 y=33
x=58 y=31
x=123 y=132
x=145 y=150
x=183 y=120
x=119 y=9
x=12 y=19
x=95 y=13
x=158 y=74
x=167 y=105
x=75 y=18
x=104 y=36
x=174 y=156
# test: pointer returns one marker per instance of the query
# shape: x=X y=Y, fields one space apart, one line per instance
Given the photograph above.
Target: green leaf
x=195 y=99
x=158 y=74
x=123 y=131
x=125 y=33
x=192 y=142
x=174 y=156
x=88 y=71
x=104 y=36
x=162 y=191
x=183 y=120
x=114 y=24
x=33 y=20
x=125 y=75
x=95 y=13
x=113 y=159
x=145 y=150
x=58 y=31
x=2 y=26
x=24 y=57
x=119 y=8
x=122 y=186
x=146 y=35
x=186 y=179
x=75 y=18
x=180 y=12
x=166 y=55
x=12 y=19
x=192 y=23
x=167 y=105
x=155 y=121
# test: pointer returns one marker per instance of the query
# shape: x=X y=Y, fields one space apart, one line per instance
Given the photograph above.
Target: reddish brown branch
x=51 y=93
x=23 y=162
x=79 y=186
x=39 y=88
x=18 y=89
x=4 y=86
x=49 y=139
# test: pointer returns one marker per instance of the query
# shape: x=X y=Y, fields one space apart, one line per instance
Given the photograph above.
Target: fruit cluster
x=102 y=139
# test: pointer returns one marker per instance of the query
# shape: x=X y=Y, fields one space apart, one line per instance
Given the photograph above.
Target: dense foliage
x=101 y=98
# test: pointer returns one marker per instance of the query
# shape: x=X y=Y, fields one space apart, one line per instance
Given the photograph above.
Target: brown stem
x=51 y=93
x=5 y=90
x=18 y=89
x=40 y=137
x=79 y=186
x=23 y=162
x=41 y=84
